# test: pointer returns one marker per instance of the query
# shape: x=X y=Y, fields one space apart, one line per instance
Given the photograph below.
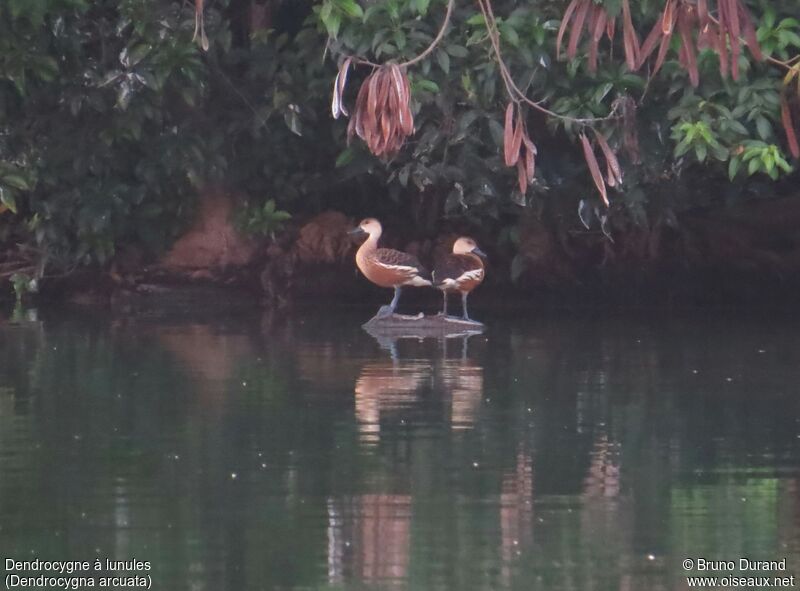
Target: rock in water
x=421 y=326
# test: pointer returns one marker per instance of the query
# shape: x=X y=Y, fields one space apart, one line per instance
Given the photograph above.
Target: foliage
x=721 y=124
x=112 y=119
x=96 y=103
x=264 y=221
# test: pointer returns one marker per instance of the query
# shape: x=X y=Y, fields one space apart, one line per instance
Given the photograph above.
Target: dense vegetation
x=112 y=117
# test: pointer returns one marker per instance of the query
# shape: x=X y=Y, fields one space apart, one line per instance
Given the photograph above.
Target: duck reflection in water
x=386 y=387
x=516 y=513
x=462 y=382
x=369 y=535
x=396 y=386
x=369 y=538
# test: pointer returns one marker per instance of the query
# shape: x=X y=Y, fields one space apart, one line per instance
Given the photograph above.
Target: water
x=297 y=452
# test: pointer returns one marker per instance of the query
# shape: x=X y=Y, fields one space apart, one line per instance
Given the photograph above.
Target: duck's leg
x=395 y=299
x=389 y=310
x=444 y=306
x=464 y=305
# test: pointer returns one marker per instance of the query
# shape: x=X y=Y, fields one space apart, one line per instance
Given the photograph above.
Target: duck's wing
x=454 y=269
x=401 y=262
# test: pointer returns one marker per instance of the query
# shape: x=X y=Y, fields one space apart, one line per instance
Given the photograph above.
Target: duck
x=462 y=271
x=387 y=267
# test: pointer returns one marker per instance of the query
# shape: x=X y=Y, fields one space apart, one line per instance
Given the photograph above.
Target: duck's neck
x=476 y=259
x=369 y=245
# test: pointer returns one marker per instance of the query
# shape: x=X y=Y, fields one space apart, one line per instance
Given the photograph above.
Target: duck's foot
x=384 y=312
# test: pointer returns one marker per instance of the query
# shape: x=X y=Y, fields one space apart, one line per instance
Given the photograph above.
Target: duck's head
x=466 y=245
x=369 y=226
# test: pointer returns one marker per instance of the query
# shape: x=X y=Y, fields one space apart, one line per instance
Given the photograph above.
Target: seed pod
x=594 y=168
x=508 y=135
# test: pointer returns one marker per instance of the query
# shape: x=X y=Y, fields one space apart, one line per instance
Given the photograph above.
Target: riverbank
x=738 y=256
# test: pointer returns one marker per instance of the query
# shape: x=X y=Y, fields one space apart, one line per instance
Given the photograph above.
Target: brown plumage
x=387 y=267
x=462 y=271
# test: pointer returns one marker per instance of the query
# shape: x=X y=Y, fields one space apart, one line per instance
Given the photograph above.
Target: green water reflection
x=299 y=453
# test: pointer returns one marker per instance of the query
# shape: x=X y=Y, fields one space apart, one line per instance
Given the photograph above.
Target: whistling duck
x=387 y=267
x=461 y=271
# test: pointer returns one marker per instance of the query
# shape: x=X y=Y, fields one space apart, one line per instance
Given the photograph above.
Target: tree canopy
x=113 y=115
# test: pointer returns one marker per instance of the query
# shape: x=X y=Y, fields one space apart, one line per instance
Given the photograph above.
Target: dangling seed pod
x=594 y=168
x=788 y=127
x=200 y=25
x=337 y=104
x=593 y=17
x=733 y=22
x=382 y=115
x=518 y=149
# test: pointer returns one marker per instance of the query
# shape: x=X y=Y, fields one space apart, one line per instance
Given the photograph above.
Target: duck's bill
x=359 y=231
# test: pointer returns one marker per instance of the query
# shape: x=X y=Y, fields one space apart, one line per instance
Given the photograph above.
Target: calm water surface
x=297 y=452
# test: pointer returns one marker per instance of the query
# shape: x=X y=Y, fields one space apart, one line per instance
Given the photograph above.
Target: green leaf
x=476 y=19
x=457 y=51
x=344 y=158
x=764 y=128
x=733 y=167
x=17 y=181
x=443 y=60
x=428 y=85
x=496 y=130
x=7 y=199
x=769 y=17
x=399 y=39
x=683 y=147
x=701 y=151
x=783 y=164
x=602 y=91
x=350 y=8
x=332 y=23
x=737 y=127
x=421 y=6
x=509 y=34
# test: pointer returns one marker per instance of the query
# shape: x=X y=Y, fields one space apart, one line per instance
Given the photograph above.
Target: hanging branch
x=514 y=93
x=425 y=53
x=382 y=115
x=525 y=165
x=436 y=40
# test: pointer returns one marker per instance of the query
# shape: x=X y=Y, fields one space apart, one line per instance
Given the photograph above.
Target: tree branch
x=514 y=92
